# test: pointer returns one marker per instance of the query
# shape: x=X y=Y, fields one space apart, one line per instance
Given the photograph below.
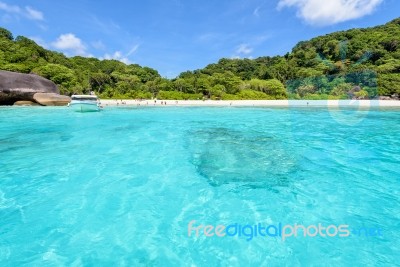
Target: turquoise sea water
x=119 y=187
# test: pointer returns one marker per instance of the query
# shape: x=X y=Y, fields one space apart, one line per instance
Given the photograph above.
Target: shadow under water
x=247 y=158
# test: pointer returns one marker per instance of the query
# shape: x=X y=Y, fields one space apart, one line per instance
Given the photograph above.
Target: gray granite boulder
x=22 y=87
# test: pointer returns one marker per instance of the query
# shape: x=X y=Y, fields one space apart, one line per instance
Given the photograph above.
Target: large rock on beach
x=22 y=87
x=51 y=99
x=25 y=103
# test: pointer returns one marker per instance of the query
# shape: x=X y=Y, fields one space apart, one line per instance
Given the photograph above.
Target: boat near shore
x=85 y=103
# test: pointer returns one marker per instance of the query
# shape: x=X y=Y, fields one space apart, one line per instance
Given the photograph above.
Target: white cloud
x=33 y=13
x=27 y=12
x=70 y=43
x=117 y=56
x=318 y=12
x=244 y=49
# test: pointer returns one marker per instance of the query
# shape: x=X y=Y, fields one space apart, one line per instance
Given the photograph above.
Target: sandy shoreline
x=254 y=103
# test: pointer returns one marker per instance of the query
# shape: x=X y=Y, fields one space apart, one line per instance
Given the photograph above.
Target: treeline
x=360 y=63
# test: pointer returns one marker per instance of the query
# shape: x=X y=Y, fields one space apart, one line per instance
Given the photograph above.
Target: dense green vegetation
x=360 y=63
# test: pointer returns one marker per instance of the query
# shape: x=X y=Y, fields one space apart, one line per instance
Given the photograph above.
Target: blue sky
x=178 y=35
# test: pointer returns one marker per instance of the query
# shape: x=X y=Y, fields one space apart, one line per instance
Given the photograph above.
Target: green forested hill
x=362 y=63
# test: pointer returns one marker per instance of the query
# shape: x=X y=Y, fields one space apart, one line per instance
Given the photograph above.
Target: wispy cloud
x=10 y=8
x=207 y=37
x=246 y=44
x=256 y=11
x=216 y=40
x=106 y=27
x=133 y=50
x=70 y=44
x=117 y=55
x=243 y=50
x=33 y=13
x=317 y=12
x=99 y=45
x=27 y=11
x=39 y=41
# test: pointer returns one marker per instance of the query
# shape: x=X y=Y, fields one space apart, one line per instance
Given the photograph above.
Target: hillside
x=362 y=63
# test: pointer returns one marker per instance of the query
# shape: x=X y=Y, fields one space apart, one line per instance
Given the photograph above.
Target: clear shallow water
x=120 y=186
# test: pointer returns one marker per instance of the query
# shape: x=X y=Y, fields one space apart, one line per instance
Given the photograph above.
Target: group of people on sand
x=122 y=102
x=162 y=102
x=139 y=102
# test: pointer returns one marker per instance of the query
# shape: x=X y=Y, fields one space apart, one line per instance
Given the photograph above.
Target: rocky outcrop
x=51 y=99
x=392 y=97
x=25 y=103
x=22 y=87
x=395 y=96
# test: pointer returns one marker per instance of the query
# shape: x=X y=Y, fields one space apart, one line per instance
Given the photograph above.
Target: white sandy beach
x=255 y=103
